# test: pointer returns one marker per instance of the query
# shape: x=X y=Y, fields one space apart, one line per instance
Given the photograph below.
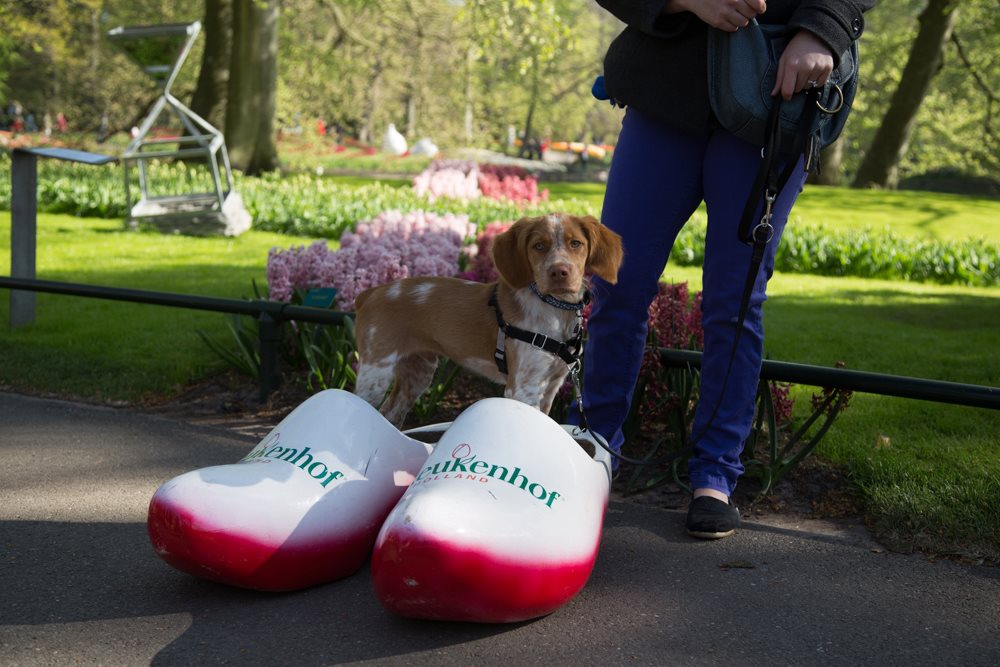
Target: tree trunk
x=411 y=115
x=95 y=42
x=529 y=120
x=829 y=163
x=470 y=60
x=251 y=90
x=879 y=169
x=209 y=99
x=367 y=133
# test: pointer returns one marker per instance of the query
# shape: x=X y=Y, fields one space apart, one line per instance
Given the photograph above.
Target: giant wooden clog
x=302 y=508
x=501 y=524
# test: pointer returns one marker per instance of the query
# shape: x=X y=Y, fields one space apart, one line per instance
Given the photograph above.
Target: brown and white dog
x=403 y=327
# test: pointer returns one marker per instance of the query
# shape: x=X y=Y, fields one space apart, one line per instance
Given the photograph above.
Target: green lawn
x=911 y=214
x=117 y=351
x=929 y=473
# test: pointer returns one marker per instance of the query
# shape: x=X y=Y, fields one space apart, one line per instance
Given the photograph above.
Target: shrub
x=512 y=187
x=664 y=396
x=867 y=254
x=311 y=206
x=394 y=245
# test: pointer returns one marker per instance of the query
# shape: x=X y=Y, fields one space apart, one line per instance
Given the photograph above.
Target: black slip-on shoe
x=710 y=519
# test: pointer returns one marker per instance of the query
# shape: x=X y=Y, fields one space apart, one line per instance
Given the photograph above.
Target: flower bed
x=465 y=180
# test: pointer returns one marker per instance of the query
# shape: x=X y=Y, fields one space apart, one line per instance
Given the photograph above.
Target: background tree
x=462 y=72
x=8 y=50
x=879 y=167
x=532 y=56
x=250 y=99
x=209 y=99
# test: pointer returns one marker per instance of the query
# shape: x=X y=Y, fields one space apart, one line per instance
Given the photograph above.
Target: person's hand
x=806 y=62
x=728 y=15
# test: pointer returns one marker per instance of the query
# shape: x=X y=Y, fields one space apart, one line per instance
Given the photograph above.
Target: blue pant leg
x=723 y=420
x=653 y=188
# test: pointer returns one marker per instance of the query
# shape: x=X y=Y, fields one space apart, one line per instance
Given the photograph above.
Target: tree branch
x=343 y=24
x=991 y=97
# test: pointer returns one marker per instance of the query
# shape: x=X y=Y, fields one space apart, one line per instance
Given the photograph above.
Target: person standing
x=671 y=155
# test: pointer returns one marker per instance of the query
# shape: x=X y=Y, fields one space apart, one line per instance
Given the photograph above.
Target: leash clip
x=574 y=376
x=764 y=226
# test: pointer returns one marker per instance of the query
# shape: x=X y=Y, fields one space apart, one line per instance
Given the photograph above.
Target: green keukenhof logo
x=269 y=450
x=464 y=465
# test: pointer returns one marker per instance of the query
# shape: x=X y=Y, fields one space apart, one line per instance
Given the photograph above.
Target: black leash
x=767 y=186
x=574 y=372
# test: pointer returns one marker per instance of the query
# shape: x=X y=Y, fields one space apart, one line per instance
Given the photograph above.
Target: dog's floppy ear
x=511 y=257
x=605 y=254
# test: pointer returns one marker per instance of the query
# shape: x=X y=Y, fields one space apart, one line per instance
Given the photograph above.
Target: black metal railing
x=863 y=382
x=271 y=315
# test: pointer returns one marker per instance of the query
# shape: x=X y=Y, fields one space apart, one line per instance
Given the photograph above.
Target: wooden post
x=23 y=232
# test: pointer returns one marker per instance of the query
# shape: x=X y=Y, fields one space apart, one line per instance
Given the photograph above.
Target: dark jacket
x=659 y=64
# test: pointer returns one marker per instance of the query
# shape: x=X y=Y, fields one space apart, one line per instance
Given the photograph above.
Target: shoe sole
x=710 y=536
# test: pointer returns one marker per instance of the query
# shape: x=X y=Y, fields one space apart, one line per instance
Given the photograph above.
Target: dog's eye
x=540 y=247
x=576 y=244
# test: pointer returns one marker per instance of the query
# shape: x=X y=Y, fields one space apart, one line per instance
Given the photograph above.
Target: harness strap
x=569 y=351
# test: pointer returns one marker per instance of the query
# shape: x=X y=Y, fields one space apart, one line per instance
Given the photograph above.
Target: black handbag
x=742 y=67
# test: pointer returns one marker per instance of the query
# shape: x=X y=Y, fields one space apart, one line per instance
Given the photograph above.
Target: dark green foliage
x=867 y=254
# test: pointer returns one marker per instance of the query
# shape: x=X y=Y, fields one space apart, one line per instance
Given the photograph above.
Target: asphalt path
x=80 y=584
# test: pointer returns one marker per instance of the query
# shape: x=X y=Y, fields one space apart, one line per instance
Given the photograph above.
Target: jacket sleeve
x=644 y=15
x=836 y=22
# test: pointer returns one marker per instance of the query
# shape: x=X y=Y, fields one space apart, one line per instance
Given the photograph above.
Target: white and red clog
x=501 y=524
x=302 y=508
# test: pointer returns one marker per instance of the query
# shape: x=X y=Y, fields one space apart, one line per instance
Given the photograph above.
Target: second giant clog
x=501 y=524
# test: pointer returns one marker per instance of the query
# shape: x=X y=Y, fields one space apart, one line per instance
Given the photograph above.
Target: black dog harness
x=569 y=351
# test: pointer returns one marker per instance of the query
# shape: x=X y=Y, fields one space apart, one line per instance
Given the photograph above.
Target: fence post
x=23 y=232
x=269 y=330
x=24 y=219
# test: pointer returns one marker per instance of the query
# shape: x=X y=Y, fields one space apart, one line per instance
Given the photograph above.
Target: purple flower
x=392 y=246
